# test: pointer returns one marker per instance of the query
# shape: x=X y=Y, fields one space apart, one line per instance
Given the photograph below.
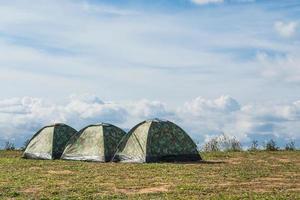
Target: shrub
x=212 y=145
x=290 y=146
x=230 y=143
x=271 y=146
x=223 y=143
x=9 y=146
x=254 y=145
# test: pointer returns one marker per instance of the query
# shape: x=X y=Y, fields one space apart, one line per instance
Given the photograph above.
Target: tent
x=96 y=142
x=155 y=141
x=49 y=142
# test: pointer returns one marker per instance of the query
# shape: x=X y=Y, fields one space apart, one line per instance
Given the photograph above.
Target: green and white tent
x=96 y=142
x=156 y=141
x=49 y=142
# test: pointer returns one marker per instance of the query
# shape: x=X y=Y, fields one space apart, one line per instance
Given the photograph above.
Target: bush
x=223 y=143
x=254 y=145
x=9 y=146
x=230 y=143
x=271 y=146
x=290 y=146
x=212 y=145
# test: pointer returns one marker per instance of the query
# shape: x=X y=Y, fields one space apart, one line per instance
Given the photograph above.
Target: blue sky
x=185 y=60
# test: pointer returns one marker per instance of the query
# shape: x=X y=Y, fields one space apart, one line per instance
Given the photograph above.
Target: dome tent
x=96 y=142
x=155 y=141
x=49 y=142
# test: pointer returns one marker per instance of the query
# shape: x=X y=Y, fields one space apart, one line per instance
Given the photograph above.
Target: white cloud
x=287 y=29
x=149 y=109
x=21 y=117
x=286 y=68
x=200 y=117
x=206 y=118
x=199 y=106
x=93 y=112
x=202 y=2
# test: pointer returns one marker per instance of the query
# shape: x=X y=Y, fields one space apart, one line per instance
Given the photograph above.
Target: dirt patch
x=163 y=188
x=249 y=183
x=294 y=189
x=292 y=174
x=274 y=180
x=62 y=172
x=255 y=186
x=261 y=190
x=259 y=185
x=259 y=161
x=284 y=160
x=35 y=168
x=63 y=183
x=33 y=190
x=275 y=165
x=268 y=184
x=235 y=161
x=224 y=184
x=156 y=189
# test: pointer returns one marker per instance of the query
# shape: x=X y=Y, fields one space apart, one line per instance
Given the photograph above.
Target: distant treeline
x=227 y=143
x=219 y=143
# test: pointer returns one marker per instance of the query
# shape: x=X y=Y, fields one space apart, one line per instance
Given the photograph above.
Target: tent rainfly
x=49 y=142
x=157 y=141
x=96 y=142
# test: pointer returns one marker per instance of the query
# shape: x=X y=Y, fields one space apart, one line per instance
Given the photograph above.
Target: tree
x=254 y=145
x=212 y=145
x=290 y=146
x=271 y=146
x=223 y=143
x=9 y=146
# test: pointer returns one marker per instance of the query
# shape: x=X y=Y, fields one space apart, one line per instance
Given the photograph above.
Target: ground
x=233 y=175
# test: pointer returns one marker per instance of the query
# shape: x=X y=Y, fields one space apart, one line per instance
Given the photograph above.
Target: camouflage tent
x=49 y=142
x=94 y=143
x=157 y=140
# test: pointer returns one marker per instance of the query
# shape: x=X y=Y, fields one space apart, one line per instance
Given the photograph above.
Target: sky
x=211 y=66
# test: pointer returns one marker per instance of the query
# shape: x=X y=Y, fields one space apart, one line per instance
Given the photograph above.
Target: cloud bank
x=287 y=29
x=202 y=118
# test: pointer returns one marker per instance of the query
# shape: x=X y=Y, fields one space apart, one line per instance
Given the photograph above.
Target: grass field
x=236 y=175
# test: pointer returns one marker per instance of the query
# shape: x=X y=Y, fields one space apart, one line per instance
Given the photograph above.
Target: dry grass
x=235 y=175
